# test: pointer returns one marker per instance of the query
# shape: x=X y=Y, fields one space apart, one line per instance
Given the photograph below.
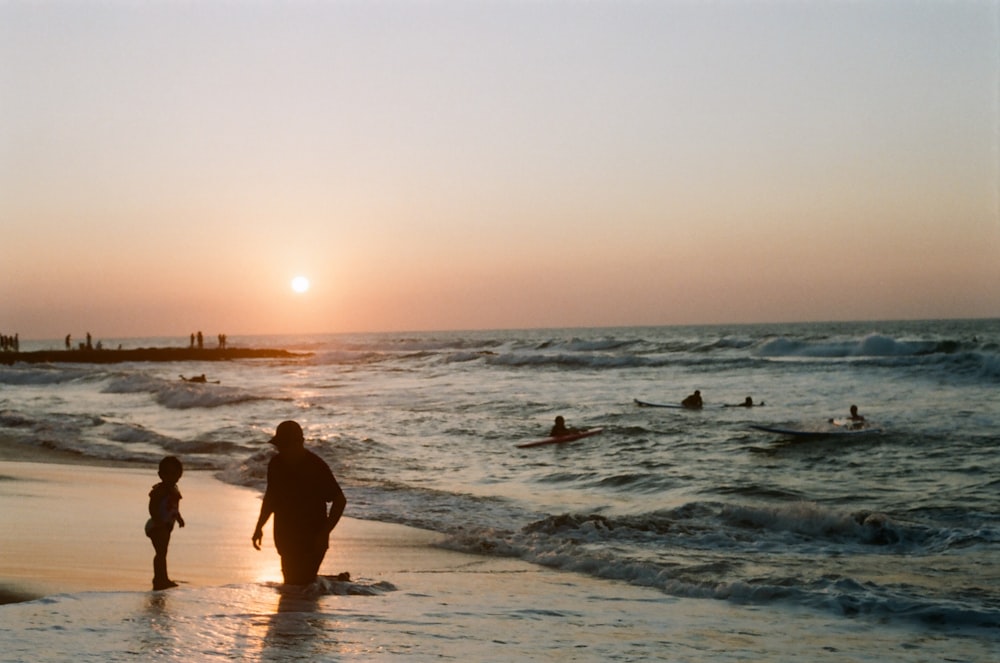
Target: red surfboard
x=561 y=438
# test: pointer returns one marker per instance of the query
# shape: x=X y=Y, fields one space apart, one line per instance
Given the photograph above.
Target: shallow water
x=498 y=615
x=895 y=533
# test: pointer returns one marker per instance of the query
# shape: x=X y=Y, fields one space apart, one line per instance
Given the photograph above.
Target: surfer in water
x=747 y=403
x=854 y=422
x=693 y=402
x=559 y=428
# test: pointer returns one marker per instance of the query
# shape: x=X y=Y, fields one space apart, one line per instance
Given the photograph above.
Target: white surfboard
x=828 y=431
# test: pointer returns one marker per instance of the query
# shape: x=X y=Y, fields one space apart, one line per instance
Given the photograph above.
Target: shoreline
x=104 y=356
x=12 y=450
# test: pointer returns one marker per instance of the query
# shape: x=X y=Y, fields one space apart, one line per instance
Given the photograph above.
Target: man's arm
x=336 y=507
x=265 y=512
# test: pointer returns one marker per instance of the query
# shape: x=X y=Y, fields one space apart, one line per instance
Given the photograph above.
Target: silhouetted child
x=164 y=510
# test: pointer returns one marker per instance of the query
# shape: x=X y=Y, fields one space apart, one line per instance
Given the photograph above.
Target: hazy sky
x=167 y=167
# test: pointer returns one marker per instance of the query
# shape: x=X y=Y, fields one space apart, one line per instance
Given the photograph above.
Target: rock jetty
x=84 y=356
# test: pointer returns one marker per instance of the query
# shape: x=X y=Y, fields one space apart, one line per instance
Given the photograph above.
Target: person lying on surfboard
x=693 y=402
x=560 y=429
x=199 y=378
x=747 y=403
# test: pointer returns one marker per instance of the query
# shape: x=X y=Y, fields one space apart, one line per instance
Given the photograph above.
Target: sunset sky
x=428 y=165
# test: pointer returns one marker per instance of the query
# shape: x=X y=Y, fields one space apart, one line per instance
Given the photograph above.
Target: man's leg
x=300 y=564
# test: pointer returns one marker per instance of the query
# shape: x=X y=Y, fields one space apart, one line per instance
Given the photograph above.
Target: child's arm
x=170 y=511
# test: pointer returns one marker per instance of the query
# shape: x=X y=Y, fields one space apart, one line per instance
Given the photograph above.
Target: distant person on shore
x=164 y=511
x=693 y=402
x=68 y=341
x=10 y=343
x=299 y=485
x=559 y=428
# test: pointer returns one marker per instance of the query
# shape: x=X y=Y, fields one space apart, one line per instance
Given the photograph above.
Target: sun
x=300 y=284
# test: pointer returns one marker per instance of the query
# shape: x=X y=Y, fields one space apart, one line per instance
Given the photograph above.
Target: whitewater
x=889 y=542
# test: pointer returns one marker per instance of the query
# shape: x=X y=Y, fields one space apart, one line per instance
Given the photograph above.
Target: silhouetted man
x=299 y=485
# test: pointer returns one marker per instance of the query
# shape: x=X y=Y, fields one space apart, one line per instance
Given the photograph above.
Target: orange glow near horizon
x=495 y=166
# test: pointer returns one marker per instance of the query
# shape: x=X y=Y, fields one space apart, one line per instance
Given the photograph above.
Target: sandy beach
x=79 y=528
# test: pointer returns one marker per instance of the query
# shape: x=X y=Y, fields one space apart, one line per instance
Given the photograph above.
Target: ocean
x=895 y=535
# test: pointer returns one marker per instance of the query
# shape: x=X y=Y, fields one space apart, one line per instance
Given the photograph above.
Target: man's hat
x=287 y=431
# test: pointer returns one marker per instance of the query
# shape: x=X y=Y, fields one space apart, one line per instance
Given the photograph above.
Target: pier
x=94 y=356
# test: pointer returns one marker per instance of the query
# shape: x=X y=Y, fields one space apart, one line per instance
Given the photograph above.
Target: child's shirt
x=164 y=506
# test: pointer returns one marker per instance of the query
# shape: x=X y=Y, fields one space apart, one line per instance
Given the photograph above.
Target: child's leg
x=161 y=540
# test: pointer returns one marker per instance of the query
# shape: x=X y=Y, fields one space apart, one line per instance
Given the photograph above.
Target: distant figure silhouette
x=854 y=414
x=201 y=341
x=198 y=378
x=299 y=484
x=68 y=343
x=693 y=402
x=559 y=428
x=164 y=510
